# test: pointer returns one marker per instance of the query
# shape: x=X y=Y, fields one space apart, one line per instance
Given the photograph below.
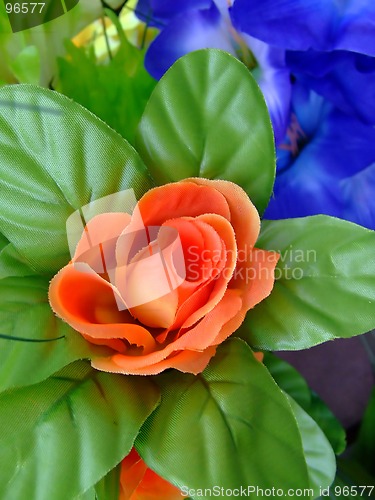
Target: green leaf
x=329 y=424
x=292 y=382
x=319 y=455
x=288 y=379
x=351 y=481
x=55 y=157
x=108 y=488
x=364 y=448
x=47 y=38
x=117 y=92
x=26 y=66
x=208 y=118
x=11 y=262
x=230 y=426
x=324 y=288
x=26 y=313
x=60 y=437
x=3 y=242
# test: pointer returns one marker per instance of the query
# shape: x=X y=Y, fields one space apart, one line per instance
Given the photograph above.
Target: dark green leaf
x=229 y=426
x=364 y=449
x=26 y=313
x=329 y=424
x=60 y=437
x=108 y=488
x=351 y=481
x=208 y=118
x=295 y=386
x=319 y=455
x=12 y=263
x=288 y=379
x=325 y=284
x=55 y=157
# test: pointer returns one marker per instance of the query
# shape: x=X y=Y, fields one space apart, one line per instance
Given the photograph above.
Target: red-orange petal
x=199 y=338
x=181 y=199
x=244 y=216
x=138 y=482
x=87 y=303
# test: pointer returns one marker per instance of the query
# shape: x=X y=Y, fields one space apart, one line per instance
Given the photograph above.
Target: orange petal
x=181 y=199
x=225 y=230
x=138 y=482
x=184 y=361
x=199 y=338
x=262 y=272
x=244 y=216
x=98 y=241
x=87 y=303
x=254 y=284
x=133 y=469
x=154 y=487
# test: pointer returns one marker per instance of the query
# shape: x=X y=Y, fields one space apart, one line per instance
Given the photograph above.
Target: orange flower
x=138 y=482
x=166 y=301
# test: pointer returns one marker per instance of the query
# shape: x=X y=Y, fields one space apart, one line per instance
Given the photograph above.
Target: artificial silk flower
x=326 y=163
x=198 y=24
x=329 y=43
x=151 y=328
x=309 y=24
x=347 y=79
x=329 y=47
x=138 y=482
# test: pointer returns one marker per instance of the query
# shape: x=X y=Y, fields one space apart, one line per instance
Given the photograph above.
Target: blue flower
x=198 y=24
x=326 y=164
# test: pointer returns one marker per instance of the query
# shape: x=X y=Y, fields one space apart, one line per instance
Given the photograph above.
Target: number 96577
x=25 y=8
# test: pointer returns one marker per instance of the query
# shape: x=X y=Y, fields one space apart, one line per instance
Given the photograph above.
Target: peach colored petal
x=145 y=285
x=244 y=216
x=262 y=265
x=214 y=251
x=96 y=246
x=184 y=361
x=199 y=338
x=87 y=303
x=254 y=287
x=225 y=230
x=115 y=344
x=181 y=199
x=198 y=242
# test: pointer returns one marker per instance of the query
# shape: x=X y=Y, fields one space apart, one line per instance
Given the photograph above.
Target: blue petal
x=160 y=12
x=192 y=30
x=273 y=78
x=345 y=78
x=305 y=24
x=334 y=171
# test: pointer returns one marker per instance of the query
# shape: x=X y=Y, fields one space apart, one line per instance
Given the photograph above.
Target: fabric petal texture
x=309 y=24
x=189 y=30
x=326 y=165
x=183 y=273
